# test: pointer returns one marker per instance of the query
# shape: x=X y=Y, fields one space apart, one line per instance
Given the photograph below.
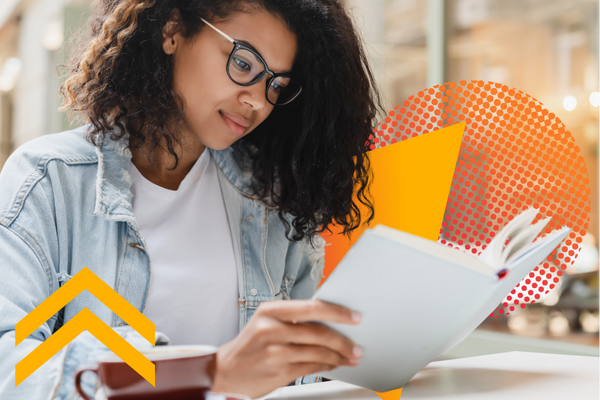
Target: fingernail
x=356 y=316
x=357 y=351
x=354 y=361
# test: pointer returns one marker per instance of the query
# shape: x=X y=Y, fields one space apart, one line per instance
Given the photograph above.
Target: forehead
x=266 y=33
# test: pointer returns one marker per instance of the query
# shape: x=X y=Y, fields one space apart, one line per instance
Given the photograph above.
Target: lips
x=238 y=120
x=236 y=124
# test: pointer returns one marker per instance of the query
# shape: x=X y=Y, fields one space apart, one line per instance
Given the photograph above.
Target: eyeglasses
x=246 y=67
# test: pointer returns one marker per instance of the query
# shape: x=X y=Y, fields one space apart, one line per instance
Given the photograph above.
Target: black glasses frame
x=260 y=76
x=237 y=46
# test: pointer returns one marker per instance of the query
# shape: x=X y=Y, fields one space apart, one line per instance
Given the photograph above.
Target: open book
x=420 y=298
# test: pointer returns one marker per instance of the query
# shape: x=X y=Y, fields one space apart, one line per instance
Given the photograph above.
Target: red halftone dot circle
x=515 y=154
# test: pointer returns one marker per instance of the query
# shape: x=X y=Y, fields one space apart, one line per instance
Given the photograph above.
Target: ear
x=171 y=32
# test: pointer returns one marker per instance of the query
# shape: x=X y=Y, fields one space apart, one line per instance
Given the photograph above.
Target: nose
x=255 y=95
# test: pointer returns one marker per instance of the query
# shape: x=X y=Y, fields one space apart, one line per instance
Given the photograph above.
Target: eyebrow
x=248 y=44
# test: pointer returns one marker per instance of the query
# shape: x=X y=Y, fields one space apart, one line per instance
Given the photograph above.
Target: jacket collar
x=240 y=177
x=228 y=163
x=113 y=182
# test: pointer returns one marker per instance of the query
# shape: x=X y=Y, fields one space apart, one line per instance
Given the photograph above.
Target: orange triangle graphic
x=391 y=395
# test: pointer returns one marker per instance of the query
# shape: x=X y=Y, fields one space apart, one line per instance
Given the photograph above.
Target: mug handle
x=78 y=374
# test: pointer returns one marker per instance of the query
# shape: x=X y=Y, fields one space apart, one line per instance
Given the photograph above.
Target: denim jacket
x=65 y=204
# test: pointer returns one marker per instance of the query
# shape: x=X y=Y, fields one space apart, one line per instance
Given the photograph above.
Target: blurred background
x=546 y=48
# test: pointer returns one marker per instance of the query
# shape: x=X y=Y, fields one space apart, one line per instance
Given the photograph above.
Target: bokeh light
x=595 y=99
x=569 y=103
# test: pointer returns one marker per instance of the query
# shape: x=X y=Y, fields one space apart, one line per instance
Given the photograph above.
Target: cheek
x=198 y=82
x=199 y=75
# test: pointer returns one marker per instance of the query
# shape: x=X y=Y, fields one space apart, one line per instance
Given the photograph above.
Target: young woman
x=222 y=136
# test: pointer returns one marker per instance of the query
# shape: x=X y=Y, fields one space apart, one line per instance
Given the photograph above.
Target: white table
x=507 y=376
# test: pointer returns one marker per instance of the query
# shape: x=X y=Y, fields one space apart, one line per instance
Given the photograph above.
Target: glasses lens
x=245 y=67
x=283 y=89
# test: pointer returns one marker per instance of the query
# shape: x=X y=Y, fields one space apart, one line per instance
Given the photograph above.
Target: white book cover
x=419 y=298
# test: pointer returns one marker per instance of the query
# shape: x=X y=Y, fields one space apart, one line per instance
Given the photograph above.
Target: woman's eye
x=242 y=65
x=276 y=88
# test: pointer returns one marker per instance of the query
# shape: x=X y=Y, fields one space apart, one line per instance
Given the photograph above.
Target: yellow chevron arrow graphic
x=84 y=320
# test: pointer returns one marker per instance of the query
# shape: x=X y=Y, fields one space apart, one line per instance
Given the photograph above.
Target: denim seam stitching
x=18 y=192
x=137 y=231
x=120 y=273
x=254 y=301
x=264 y=258
x=241 y=301
x=31 y=181
x=43 y=260
x=243 y=250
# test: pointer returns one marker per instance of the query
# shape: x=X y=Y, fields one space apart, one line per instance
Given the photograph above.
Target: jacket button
x=249 y=217
x=253 y=292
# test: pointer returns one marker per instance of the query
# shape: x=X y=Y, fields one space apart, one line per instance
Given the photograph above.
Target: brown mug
x=182 y=372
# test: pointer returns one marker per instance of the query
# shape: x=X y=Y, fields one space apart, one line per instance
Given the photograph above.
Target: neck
x=156 y=166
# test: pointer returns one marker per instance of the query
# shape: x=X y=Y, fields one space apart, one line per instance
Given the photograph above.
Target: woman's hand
x=279 y=344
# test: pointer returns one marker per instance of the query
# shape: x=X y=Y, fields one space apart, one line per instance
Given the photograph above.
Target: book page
x=492 y=255
x=439 y=250
x=535 y=245
x=519 y=244
x=519 y=268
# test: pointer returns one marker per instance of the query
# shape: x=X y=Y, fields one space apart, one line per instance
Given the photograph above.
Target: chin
x=220 y=144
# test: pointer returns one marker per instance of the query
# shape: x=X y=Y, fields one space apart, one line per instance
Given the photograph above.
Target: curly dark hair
x=308 y=158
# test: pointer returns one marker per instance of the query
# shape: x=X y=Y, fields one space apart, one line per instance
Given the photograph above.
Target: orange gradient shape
x=391 y=395
x=411 y=182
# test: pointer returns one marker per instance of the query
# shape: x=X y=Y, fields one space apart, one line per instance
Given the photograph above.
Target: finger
x=309 y=310
x=315 y=334
x=295 y=354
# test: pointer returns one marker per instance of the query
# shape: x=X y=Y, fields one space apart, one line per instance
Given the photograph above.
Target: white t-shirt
x=193 y=296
